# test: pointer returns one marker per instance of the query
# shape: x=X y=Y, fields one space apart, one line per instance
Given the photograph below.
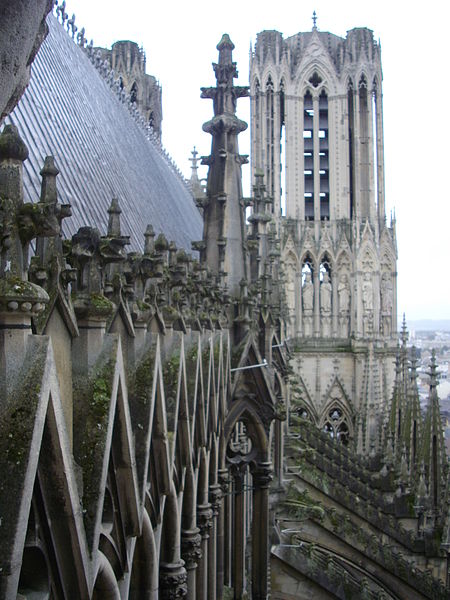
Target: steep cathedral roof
x=102 y=152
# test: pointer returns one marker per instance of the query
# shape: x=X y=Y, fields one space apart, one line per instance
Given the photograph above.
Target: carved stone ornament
x=215 y=497
x=191 y=548
x=172 y=581
x=262 y=475
x=204 y=519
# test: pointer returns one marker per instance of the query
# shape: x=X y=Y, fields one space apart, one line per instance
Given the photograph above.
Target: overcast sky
x=180 y=39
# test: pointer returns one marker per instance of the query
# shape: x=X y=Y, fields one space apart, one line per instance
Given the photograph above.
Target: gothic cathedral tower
x=317 y=135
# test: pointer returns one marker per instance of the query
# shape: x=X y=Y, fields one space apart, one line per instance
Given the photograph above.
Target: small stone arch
x=170 y=558
x=256 y=85
x=246 y=414
x=326 y=277
x=375 y=85
x=309 y=259
x=326 y=259
x=269 y=85
x=144 y=569
x=305 y=78
x=344 y=261
x=134 y=92
x=291 y=269
x=367 y=258
x=250 y=474
x=105 y=582
x=363 y=80
x=336 y=421
x=302 y=405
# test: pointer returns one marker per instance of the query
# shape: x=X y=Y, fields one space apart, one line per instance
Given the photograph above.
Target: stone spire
x=433 y=450
x=395 y=422
x=223 y=247
x=412 y=428
x=196 y=184
x=259 y=219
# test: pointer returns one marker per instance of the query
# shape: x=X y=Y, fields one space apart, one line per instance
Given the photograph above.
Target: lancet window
x=308 y=149
x=282 y=145
x=364 y=145
x=323 y=158
x=316 y=154
x=308 y=299
x=351 y=145
x=270 y=163
x=307 y=269
x=326 y=295
x=134 y=93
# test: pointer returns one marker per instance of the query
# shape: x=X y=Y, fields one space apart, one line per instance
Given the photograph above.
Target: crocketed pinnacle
x=223 y=245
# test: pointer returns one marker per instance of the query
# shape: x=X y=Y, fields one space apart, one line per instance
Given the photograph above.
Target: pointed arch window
x=326 y=294
x=307 y=267
x=307 y=285
x=257 y=104
x=336 y=426
x=134 y=93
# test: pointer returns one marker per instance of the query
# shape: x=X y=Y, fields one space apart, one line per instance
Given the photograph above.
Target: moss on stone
x=13 y=287
x=94 y=401
x=17 y=425
x=191 y=369
x=171 y=369
x=141 y=383
x=101 y=303
x=94 y=304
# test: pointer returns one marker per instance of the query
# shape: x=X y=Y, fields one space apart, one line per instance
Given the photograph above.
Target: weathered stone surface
x=22 y=31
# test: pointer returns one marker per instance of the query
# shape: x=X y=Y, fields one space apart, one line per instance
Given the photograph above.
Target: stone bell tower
x=317 y=134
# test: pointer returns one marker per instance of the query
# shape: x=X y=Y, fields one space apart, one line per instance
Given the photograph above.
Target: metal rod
x=263 y=364
x=284 y=343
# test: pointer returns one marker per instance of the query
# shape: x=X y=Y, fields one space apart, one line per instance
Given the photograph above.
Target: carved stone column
x=215 y=498
x=222 y=560
x=262 y=476
x=239 y=534
x=204 y=522
x=172 y=581
x=191 y=553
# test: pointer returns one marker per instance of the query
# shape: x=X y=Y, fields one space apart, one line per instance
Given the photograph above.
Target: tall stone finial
x=13 y=252
x=224 y=216
x=433 y=449
x=114 y=218
x=19 y=298
x=433 y=372
x=194 y=160
x=404 y=332
x=314 y=20
x=149 y=236
x=49 y=242
x=196 y=185
x=396 y=412
x=413 y=422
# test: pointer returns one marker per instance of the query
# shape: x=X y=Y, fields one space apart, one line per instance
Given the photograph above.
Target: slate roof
x=101 y=151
